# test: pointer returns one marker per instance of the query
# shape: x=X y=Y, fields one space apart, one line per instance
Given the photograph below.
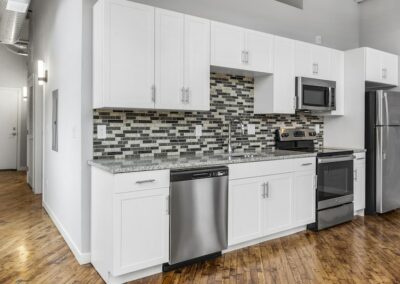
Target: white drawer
x=141 y=181
x=256 y=169
x=306 y=164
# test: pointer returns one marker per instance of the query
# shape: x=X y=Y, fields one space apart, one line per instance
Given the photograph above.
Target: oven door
x=335 y=181
x=315 y=95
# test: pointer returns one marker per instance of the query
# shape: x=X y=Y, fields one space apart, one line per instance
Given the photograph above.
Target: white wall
x=56 y=39
x=13 y=74
x=335 y=20
x=380 y=25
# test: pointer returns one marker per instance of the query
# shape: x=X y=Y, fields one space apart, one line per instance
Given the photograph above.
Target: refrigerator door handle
x=379 y=106
x=379 y=167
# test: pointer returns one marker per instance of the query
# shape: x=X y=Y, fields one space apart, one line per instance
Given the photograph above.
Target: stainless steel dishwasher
x=198 y=215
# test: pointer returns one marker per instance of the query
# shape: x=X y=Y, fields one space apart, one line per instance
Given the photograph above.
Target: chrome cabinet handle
x=384 y=73
x=294 y=103
x=153 y=93
x=145 y=181
x=247 y=57
x=183 y=95
x=315 y=181
x=355 y=175
x=187 y=91
x=306 y=164
x=315 y=68
x=243 y=56
x=267 y=189
x=263 y=191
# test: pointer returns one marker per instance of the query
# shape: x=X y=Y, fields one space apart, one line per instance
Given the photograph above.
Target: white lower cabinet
x=272 y=203
x=359 y=183
x=141 y=230
x=129 y=224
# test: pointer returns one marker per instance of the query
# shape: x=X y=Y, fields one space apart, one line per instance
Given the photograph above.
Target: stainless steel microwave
x=315 y=94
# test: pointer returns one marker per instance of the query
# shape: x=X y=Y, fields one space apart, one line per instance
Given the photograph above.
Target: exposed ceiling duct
x=13 y=14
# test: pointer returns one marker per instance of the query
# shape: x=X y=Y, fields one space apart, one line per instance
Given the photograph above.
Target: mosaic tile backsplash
x=133 y=134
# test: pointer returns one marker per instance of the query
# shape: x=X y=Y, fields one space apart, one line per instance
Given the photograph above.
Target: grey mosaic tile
x=133 y=134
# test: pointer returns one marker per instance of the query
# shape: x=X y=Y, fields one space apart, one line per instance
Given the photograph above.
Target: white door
x=303 y=59
x=245 y=210
x=141 y=231
x=30 y=137
x=8 y=128
x=197 y=64
x=284 y=75
x=304 y=194
x=169 y=54
x=129 y=55
x=278 y=205
x=260 y=51
x=227 y=46
x=359 y=184
x=321 y=62
x=373 y=71
x=390 y=69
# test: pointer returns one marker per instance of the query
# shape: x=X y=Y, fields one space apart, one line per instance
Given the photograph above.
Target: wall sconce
x=42 y=73
x=24 y=94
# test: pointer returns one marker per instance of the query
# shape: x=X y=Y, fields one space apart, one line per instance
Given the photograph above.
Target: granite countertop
x=182 y=162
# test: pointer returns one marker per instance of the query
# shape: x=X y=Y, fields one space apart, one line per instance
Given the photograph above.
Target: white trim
x=267 y=238
x=82 y=258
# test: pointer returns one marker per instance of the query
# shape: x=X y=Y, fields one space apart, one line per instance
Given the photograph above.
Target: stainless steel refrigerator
x=382 y=137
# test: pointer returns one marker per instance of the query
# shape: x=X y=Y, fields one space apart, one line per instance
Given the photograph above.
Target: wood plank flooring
x=366 y=250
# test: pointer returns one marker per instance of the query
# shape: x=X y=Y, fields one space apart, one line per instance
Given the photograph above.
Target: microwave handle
x=330 y=96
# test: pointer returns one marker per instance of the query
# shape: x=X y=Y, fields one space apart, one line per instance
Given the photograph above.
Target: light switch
x=101 y=131
x=199 y=131
x=251 y=129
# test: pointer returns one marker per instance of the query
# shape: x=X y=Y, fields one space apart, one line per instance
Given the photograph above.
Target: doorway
x=9 y=100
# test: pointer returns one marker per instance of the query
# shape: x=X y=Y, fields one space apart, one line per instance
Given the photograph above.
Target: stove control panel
x=285 y=134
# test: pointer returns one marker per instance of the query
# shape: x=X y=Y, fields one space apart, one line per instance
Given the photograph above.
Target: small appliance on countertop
x=335 y=188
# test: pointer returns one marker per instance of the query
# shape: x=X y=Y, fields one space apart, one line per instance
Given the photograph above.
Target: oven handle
x=336 y=159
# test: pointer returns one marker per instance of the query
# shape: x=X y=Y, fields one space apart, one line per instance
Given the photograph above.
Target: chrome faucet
x=238 y=122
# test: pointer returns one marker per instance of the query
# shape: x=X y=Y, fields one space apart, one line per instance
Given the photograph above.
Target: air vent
x=294 y=3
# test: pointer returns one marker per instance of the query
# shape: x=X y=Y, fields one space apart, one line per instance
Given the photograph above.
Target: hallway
x=31 y=248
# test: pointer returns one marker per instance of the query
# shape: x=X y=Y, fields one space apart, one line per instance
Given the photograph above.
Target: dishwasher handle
x=200 y=173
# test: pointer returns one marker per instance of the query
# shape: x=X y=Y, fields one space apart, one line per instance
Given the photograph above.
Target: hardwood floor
x=366 y=250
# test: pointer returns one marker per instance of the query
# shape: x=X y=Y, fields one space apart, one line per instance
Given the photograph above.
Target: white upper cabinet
x=123 y=52
x=276 y=93
x=381 y=67
x=313 y=61
x=238 y=48
x=197 y=64
x=337 y=67
x=169 y=60
x=149 y=58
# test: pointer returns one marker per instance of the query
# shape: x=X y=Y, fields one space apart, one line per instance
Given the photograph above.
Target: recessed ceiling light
x=20 y=6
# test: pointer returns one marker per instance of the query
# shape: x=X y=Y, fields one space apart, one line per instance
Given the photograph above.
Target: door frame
x=18 y=148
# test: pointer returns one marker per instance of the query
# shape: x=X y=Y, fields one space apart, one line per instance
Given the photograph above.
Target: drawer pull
x=145 y=181
x=306 y=164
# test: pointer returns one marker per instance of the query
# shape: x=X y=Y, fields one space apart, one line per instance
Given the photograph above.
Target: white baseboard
x=82 y=258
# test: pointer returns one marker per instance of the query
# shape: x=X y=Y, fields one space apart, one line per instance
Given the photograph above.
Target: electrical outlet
x=101 y=131
x=251 y=129
x=199 y=131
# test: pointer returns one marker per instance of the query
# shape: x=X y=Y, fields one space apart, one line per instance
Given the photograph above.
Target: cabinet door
x=169 y=60
x=321 y=62
x=284 y=75
x=303 y=59
x=390 y=69
x=278 y=205
x=304 y=195
x=197 y=64
x=227 y=45
x=245 y=210
x=128 y=55
x=337 y=62
x=359 y=185
x=141 y=232
x=259 y=48
x=373 y=72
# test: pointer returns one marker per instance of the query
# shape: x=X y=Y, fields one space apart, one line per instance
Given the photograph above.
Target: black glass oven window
x=335 y=180
x=315 y=96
